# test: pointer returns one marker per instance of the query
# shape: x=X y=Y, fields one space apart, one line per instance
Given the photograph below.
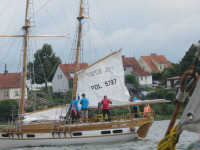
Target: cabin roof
x=160 y=59
x=10 y=80
x=136 y=68
x=69 y=68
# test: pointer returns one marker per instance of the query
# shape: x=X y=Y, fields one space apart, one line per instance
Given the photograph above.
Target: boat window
x=4 y=135
x=30 y=135
x=118 y=131
x=77 y=134
x=105 y=132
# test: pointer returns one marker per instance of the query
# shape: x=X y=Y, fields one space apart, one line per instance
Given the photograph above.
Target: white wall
x=60 y=82
x=11 y=93
x=145 y=80
x=127 y=70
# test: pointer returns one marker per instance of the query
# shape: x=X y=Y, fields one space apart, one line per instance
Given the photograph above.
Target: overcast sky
x=139 y=27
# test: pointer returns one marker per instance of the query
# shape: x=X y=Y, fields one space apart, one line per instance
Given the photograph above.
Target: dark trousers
x=135 y=111
x=74 y=117
x=106 y=111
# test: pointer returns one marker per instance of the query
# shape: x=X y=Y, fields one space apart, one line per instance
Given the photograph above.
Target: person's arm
x=110 y=102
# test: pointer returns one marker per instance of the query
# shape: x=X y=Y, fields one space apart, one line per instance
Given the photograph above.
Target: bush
x=8 y=108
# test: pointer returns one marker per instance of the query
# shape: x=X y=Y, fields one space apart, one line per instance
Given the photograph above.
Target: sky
x=139 y=27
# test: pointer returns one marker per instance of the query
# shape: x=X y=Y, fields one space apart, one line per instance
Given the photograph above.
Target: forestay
x=105 y=77
x=190 y=119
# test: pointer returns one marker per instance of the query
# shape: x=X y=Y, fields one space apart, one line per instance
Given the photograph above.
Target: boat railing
x=124 y=117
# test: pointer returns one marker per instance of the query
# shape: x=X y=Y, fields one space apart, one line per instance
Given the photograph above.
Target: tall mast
x=26 y=27
x=80 y=18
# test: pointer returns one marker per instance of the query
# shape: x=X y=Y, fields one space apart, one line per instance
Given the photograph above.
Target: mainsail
x=190 y=119
x=105 y=77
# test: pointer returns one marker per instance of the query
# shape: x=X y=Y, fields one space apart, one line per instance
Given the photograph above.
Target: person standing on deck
x=74 y=108
x=84 y=107
x=105 y=102
x=135 y=108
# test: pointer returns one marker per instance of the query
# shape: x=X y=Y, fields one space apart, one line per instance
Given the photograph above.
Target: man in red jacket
x=105 y=102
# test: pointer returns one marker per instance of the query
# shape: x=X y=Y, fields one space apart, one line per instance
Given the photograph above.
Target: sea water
x=156 y=133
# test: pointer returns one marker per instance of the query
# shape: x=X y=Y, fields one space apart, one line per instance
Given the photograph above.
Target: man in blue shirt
x=135 y=108
x=84 y=107
x=74 y=109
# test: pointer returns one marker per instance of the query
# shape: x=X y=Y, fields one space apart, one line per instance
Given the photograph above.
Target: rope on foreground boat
x=172 y=135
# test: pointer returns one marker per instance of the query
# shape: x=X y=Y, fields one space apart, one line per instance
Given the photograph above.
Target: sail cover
x=190 y=119
x=105 y=77
x=54 y=113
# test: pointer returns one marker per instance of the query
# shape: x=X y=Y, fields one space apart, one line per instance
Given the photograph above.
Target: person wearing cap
x=105 y=102
x=84 y=107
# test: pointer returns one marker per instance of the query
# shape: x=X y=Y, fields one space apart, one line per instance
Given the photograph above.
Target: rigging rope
x=169 y=141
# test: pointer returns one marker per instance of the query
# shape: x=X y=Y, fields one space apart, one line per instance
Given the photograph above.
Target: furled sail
x=54 y=113
x=190 y=119
x=105 y=77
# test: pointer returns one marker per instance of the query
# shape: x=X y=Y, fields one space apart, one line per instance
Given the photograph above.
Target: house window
x=124 y=69
x=145 y=78
x=160 y=67
x=5 y=94
x=165 y=66
x=141 y=78
x=143 y=68
x=58 y=76
x=16 y=93
x=61 y=76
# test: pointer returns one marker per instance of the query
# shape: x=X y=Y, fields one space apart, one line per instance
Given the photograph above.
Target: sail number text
x=107 y=83
x=100 y=71
x=110 y=82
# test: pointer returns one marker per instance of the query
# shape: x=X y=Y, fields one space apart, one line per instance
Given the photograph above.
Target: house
x=10 y=86
x=154 y=63
x=131 y=66
x=173 y=82
x=63 y=78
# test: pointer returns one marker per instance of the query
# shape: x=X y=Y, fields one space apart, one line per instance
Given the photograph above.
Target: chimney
x=6 y=71
x=153 y=54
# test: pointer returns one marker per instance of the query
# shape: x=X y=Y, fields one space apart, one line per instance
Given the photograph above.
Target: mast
x=80 y=18
x=25 y=27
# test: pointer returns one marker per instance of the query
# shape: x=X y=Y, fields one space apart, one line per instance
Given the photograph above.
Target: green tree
x=187 y=60
x=8 y=108
x=44 y=65
x=132 y=79
x=171 y=72
x=157 y=75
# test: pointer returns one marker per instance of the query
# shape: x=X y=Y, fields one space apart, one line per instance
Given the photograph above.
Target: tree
x=187 y=60
x=8 y=108
x=44 y=65
x=171 y=72
x=132 y=79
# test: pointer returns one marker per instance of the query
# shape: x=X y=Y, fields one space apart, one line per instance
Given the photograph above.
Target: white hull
x=46 y=139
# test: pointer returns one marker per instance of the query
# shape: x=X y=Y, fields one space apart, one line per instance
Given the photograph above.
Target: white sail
x=190 y=119
x=105 y=77
x=54 y=113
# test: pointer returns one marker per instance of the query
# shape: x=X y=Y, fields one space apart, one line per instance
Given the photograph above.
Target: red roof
x=69 y=68
x=160 y=59
x=10 y=80
x=136 y=68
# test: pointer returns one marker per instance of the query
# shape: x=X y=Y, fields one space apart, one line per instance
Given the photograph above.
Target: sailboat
x=52 y=126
